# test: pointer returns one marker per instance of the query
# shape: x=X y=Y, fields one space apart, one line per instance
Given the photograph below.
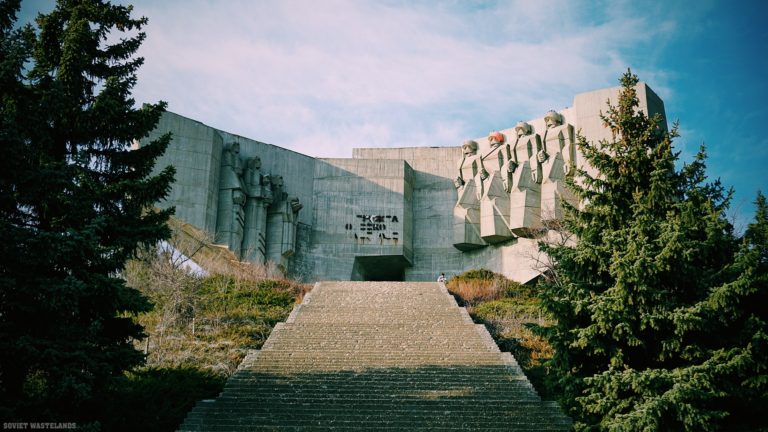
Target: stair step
x=378 y=356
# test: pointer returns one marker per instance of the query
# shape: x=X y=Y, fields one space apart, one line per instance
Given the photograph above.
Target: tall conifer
x=636 y=298
x=75 y=206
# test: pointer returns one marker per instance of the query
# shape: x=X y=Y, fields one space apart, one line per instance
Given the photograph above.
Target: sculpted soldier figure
x=252 y=176
x=290 y=220
x=494 y=159
x=466 y=212
x=558 y=139
x=469 y=165
x=494 y=201
x=557 y=159
x=230 y=219
x=282 y=218
x=254 y=239
x=525 y=192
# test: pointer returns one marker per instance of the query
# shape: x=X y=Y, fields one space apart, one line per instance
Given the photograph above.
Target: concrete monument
x=389 y=213
x=495 y=200
x=466 y=212
x=557 y=160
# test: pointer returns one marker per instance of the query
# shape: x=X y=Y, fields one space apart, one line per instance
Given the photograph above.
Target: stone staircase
x=383 y=356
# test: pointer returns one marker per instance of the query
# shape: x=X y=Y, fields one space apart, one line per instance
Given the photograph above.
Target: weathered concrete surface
x=362 y=210
x=378 y=356
x=345 y=226
x=195 y=151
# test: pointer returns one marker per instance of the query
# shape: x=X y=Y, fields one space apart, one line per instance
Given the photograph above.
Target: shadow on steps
x=285 y=396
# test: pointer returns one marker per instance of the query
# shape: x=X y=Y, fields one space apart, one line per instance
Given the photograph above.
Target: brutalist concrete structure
x=387 y=213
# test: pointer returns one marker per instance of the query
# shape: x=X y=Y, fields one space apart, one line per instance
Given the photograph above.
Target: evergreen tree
x=636 y=298
x=732 y=323
x=76 y=204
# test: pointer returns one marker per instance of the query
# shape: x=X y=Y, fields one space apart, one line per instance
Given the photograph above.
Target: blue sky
x=323 y=76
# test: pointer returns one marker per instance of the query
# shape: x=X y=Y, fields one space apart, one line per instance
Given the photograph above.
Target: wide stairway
x=383 y=356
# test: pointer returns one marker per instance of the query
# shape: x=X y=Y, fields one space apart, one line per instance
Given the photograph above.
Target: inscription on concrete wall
x=376 y=229
x=507 y=188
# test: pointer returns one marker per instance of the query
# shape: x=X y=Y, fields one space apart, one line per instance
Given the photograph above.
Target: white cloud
x=323 y=77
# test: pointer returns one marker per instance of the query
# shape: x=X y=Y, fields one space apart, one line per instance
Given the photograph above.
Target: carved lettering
x=370 y=225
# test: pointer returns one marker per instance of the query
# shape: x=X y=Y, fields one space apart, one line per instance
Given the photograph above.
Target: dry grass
x=199 y=246
x=507 y=309
x=226 y=316
x=478 y=286
x=473 y=291
x=507 y=319
x=210 y=322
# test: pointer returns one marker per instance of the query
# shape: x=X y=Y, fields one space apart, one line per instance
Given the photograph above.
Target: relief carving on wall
x=515 y=186
x=246 y=197
x=469 y=185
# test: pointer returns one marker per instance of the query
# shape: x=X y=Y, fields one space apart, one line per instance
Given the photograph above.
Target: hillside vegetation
x=198 y=332
x=506 y=308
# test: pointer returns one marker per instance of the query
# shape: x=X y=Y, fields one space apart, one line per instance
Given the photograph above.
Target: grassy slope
x=198 y=332
x=201 y=328
x=505 y=307
x=225 y=319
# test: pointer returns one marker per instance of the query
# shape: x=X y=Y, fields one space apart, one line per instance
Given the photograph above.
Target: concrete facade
x=386 y=213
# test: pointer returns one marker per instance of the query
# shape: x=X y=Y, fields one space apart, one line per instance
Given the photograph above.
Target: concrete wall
x=434 y=195
x=383 y=214
x=362 y=208
x=433 y=199
x=588 y=106
x=195 y=151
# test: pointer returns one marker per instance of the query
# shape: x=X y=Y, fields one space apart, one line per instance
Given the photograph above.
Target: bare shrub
x=206 y=319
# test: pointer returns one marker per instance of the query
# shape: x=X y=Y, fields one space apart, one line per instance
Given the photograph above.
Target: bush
x=477 y=274
x=474 y=286
x=157 y=399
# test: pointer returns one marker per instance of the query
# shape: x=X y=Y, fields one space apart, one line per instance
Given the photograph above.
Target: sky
x=322 y=77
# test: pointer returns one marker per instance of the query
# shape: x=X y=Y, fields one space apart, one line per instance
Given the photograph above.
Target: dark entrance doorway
x=379 y=268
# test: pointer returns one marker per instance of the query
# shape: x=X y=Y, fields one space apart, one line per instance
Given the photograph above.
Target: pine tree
x=76 y=204
x=732 y=323
x=633 y=338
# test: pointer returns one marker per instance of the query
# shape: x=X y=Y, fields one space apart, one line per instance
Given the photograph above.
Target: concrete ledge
x=292 y=317
x=487 y=338
x=466 y=316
